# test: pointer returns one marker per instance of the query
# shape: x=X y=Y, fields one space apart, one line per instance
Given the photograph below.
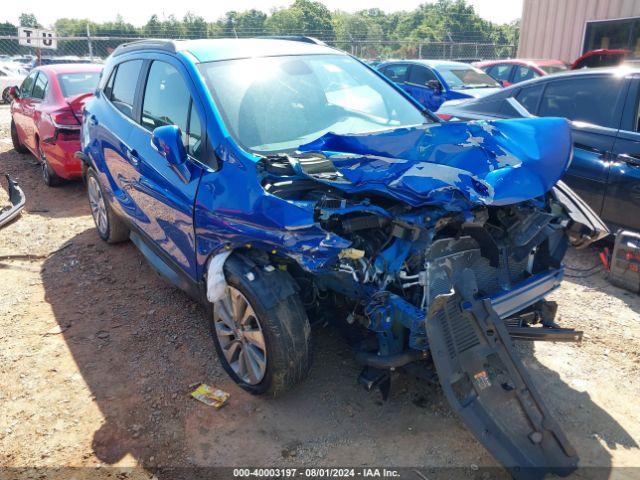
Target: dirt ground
x=97 y=356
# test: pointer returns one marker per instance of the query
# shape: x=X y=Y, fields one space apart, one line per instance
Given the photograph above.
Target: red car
x=46 y=114
x=603 y=57
x=513 y=70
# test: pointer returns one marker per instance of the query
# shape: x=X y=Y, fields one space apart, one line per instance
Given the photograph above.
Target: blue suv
x=433 y=82
x=284 y=183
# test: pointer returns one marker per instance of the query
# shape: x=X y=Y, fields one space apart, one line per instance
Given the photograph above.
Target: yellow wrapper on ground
x=211 y=396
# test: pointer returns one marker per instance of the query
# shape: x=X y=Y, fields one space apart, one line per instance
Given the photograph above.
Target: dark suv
x=602 y=105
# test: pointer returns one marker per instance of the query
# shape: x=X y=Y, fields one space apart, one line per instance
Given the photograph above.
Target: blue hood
x=455 y=165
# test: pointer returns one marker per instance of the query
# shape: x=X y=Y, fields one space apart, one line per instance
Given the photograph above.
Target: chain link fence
x=98 y=48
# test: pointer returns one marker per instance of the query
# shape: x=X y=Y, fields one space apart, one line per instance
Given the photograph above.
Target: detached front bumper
x=17 y=199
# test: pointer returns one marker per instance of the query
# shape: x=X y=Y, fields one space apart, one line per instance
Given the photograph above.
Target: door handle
x=93 y=120
x=133 y=157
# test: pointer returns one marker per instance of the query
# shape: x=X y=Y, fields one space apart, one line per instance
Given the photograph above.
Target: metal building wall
x=555 y=28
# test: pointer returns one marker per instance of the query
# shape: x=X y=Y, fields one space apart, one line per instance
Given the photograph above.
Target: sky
x=138 y=12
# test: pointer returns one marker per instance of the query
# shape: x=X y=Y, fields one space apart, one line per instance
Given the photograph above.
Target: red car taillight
x=445 y=116
x=65 y=119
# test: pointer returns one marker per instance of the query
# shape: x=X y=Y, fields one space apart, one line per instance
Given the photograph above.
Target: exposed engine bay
x=422 y=262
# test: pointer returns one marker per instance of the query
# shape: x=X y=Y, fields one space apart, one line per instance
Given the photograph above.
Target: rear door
x=165 y=195
x=417 y=87
x=33 y=111
x=19 y=110
x=622 y=199
x=111 y=120
x=593 y=103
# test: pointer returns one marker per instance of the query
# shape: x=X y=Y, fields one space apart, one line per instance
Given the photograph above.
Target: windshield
x=279 y=103
x=549 y=69
x=74 y=84
x=459 y=77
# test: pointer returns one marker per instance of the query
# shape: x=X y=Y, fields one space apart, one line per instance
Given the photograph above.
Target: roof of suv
x=213 y=50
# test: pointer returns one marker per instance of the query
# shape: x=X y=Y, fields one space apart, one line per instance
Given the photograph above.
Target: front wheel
x=260 y=329
x=110 y=228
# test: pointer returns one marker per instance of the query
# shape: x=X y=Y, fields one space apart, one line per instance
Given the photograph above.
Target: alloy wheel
x=98 y=207
x=240 y=336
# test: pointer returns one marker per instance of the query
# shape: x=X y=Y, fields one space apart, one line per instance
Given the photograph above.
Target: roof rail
x=295 y=38
x=155 y=44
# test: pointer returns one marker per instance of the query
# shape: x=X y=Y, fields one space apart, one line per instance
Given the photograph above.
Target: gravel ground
x=98 y=355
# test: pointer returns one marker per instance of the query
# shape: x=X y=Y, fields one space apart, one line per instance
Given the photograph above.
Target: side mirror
x=434 y=85
x=168 y=142
x=14 y=92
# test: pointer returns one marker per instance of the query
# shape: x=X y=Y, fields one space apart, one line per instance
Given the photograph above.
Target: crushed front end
x=434 y=243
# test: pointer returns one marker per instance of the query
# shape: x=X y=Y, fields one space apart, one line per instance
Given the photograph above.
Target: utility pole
x=89 y=43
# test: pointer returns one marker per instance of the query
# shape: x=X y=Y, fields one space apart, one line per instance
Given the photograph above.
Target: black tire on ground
x=17 y=145
x=116 y=230
x=273 y=296
x=49 y=176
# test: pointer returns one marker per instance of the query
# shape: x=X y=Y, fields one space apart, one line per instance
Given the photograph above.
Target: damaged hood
x=457 y=165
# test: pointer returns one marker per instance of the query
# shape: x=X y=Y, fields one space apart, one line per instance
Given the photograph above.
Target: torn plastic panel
x=216 y=282
x=17 y=199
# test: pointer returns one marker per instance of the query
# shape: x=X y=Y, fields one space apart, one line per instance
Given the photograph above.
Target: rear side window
x=421 y=75
x=396 y=73
x=501 y=71
x=123 y=89
x=590 y=100
x=524 y=73
x=40 y=87
x=27 y=85
x=529 y=97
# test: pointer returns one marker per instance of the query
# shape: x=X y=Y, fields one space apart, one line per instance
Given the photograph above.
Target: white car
x=9 y=77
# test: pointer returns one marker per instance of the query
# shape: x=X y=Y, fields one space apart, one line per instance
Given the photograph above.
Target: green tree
x=28 y=20
x=194 y=26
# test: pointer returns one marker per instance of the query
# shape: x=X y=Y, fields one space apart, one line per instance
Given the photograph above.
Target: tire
x=279 y=316
x=17 y=144
x=110 y=228
x=49 y=176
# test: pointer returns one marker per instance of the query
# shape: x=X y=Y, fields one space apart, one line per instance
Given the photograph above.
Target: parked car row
x=434 y=82
x=279 y=182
